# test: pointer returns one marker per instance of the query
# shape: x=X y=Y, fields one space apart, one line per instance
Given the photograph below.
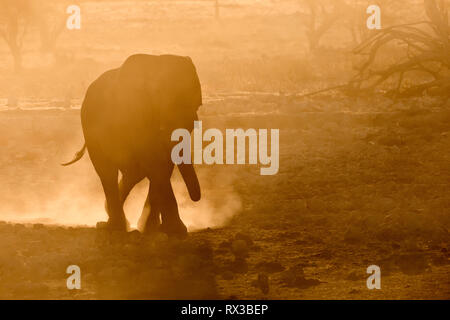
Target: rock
x=135 y=236
x=387 y=264
x=225 y=245
x=204 y=250
x=325 y=254
x=294 y=277
x=395 y=245
x=353 y=276
x=412 y=264
x=160 y=237
x=353 y=235
x=301 y=282
x=410 y=245
x=256 y=248
x=101 y=225
x=440 y=260
x=246 y=238
x=288 y=276
x=390 y=233
x=262 y=283
x=240 y=248
x=270 y=266
x=239 y=265
x=19 y=228
x=228 y=275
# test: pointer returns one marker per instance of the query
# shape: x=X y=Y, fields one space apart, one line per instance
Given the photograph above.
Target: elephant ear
x=197 y=85
x=157 y=100
x=168 y=85
x=180 y=92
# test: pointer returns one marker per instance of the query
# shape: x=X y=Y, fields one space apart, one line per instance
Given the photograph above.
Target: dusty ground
x=361 y=182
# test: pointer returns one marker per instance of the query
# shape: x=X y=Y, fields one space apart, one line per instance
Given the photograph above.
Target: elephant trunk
x=190 y=179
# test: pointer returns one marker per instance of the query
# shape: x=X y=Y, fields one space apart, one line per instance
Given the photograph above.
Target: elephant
x=128 y=115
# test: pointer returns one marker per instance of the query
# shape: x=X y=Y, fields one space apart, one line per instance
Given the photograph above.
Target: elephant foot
x=113 y=225
x=175 y=229
x=152 y=227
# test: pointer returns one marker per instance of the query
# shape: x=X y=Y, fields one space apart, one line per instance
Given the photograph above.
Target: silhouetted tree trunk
x=50 y=21
x=320 y=20
x=216 y=7
x=17 y=56
x=49 y=35
x=14 y=19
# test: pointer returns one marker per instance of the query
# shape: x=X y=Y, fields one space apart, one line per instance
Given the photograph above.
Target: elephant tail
x=77 y=157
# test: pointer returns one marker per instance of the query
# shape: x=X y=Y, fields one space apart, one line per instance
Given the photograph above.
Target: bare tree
x=50 y=20
x=426 y=51
x=14 y=22
x=216 y=9
x=321 y=16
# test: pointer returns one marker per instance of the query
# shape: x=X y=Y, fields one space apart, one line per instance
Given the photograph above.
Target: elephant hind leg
x=114 y=207
x=150 y=221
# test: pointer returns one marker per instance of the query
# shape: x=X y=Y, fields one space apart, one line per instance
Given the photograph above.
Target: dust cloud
x=37 y=189
x=73 y=196
x=219 y=203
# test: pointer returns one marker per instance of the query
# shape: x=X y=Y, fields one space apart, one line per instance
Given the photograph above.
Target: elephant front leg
x=163 y=200
x=126 y=184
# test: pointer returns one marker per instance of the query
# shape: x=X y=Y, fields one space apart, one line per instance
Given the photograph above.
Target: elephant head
x=170 y=92
x=184 y=97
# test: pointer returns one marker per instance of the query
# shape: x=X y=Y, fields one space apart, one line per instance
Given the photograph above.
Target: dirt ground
x=362 y=182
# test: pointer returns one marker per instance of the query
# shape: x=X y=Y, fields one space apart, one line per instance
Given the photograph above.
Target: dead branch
x=426 y=43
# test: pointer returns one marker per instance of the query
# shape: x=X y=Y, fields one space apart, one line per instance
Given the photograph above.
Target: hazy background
x=239 y=47
x=268 y=46
x=363 y=177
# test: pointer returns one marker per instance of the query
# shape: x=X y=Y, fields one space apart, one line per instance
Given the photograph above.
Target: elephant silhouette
x=128 y=115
